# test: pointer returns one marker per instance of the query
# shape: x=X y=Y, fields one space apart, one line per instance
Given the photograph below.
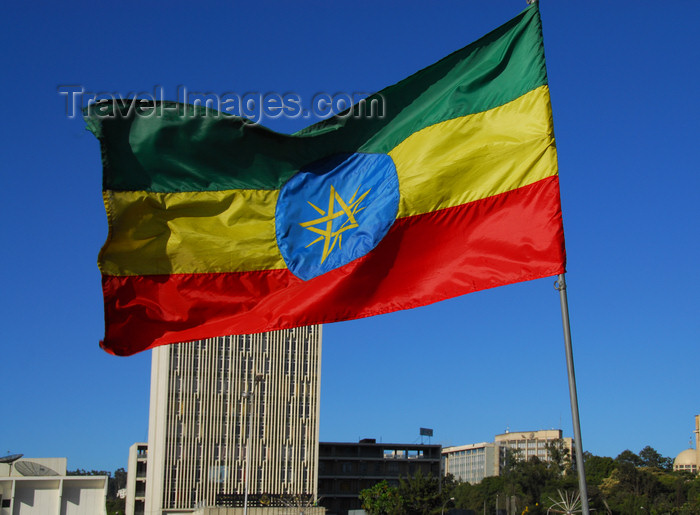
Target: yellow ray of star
x=330 y=237
x=320 y=211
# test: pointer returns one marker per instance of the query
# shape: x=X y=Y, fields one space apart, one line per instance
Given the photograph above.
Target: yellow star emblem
x=326 y=232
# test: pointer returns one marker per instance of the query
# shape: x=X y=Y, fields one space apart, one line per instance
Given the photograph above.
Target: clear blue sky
x=624 y=86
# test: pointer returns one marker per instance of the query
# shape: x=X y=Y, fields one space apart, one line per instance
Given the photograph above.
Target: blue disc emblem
x=335 y=211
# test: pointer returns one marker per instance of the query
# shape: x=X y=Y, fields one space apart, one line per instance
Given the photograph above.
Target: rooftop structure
x=40 y=485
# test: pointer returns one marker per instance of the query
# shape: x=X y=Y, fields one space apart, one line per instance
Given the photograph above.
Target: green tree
x=532 y=477
x=650 y=457
x=115 y=506
x=416 y=495
x=480 y=497
x=422 y=494
x=692 y=490
x=382 y=499
x=628 y=456
x=509 y=460
x=628 y=485
x=597 y=467
x=559 y=455
x=120 y=478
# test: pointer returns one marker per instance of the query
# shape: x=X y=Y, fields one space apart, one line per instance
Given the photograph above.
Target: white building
x=471 y=462
x=474 y=462
x=136 y=479
x=205 y=395
x=40 y=486
x=689 y=459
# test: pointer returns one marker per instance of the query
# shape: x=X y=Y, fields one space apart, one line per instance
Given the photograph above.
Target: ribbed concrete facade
x=198 y=419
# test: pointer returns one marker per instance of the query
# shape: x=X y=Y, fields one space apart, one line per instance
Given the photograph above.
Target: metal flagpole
x=560 y=285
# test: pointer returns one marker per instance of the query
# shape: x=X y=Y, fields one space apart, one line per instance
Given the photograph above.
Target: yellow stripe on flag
x=190 y=232
x=477 y=156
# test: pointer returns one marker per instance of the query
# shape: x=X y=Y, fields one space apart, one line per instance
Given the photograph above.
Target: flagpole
x=560 y=285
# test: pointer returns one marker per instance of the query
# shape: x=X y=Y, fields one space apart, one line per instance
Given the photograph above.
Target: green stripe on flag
x=188 y=149
x=494 y=70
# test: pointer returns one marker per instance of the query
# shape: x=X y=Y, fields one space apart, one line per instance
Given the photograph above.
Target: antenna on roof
x=31 y=468
x=10 y=460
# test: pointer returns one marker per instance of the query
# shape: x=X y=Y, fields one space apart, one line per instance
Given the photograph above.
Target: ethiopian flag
x=219 y=226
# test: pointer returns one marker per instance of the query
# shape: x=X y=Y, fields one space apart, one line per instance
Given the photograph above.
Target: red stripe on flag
x=511 y=237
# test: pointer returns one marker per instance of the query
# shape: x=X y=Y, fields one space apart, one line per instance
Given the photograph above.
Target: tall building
x=474 y=462
x=206 y=396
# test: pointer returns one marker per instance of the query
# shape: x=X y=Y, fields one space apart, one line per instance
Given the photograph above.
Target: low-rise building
x=474 y=462
x=40 y=485
x=345 y=469
x=471 y=462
